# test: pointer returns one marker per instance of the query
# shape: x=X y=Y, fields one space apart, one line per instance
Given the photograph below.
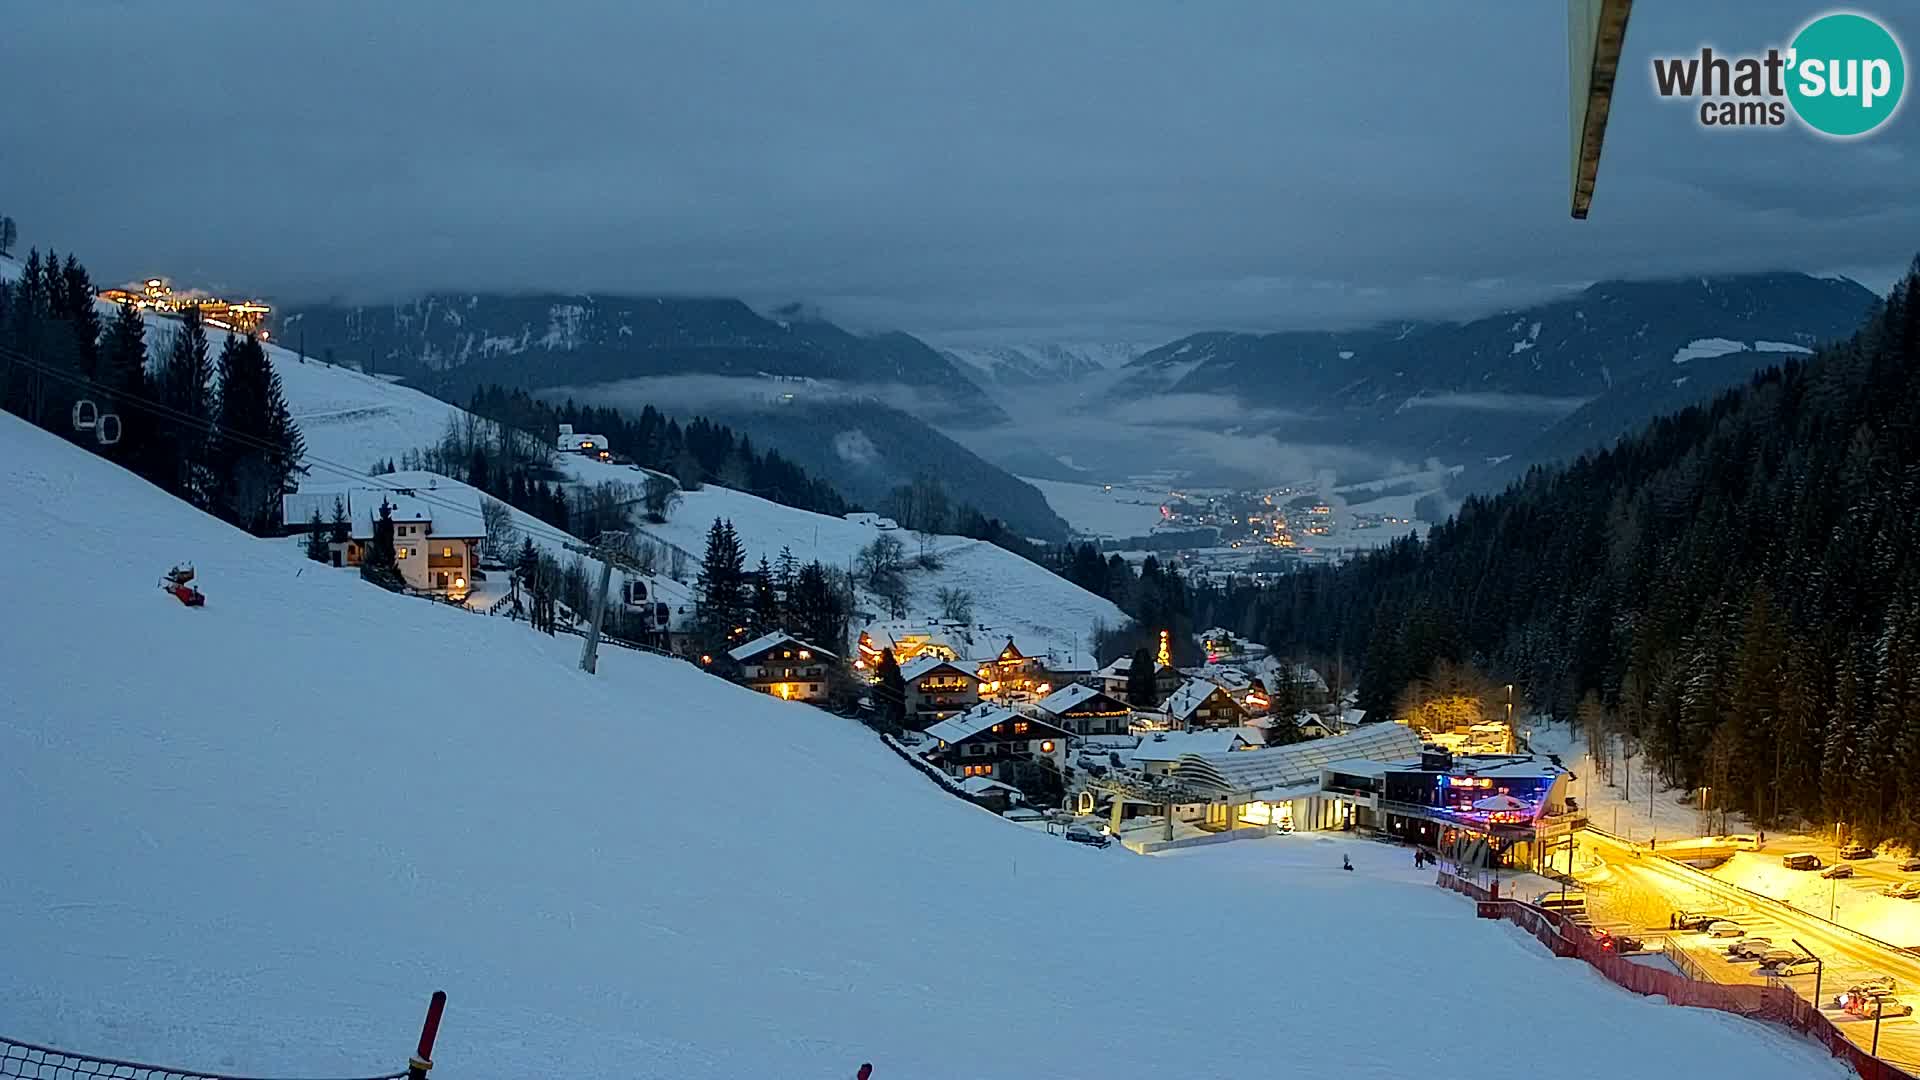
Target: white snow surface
x=252 y=837
x=1703 y=348
x=1092 y=509
x=1042 y=610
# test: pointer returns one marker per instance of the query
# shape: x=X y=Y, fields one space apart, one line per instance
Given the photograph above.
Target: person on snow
x=1346 y=863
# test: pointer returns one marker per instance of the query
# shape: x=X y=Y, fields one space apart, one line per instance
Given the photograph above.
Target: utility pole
x=606 y=549
x=590 y=652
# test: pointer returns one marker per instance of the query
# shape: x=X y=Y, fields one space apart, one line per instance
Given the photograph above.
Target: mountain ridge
x=1492 y=384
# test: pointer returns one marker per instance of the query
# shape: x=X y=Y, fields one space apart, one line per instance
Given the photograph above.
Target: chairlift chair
x=85 y=415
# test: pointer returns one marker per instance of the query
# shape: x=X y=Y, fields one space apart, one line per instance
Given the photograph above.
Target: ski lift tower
x=1596 y=32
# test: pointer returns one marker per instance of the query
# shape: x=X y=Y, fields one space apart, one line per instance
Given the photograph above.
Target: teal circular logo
x=1847 y=74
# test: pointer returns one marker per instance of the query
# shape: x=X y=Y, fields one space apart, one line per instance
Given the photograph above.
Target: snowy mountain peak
x=1051 y=362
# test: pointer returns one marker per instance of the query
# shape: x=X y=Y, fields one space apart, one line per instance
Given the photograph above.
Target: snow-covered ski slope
x=1042 y=610
x=252 y=838
x=352 y=420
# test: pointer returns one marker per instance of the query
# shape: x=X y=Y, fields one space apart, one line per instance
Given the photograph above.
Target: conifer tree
x=721 y=600
x=317 y=549
x=889 y=693
x=123 y=372
x=257 y=445
x=185 y=430
x=1140 y=680
x=767 y=614
x=340 y=526
x=379 y=563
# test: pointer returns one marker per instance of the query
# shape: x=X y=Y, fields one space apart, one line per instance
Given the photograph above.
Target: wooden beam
x=1596 y=33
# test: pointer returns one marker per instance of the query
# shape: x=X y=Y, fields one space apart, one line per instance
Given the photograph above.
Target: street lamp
x=1819 y=970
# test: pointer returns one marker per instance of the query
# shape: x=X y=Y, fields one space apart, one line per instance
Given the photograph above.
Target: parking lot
x=1632 y=892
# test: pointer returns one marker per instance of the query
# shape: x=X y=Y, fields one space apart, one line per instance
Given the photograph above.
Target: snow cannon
x=178 y=581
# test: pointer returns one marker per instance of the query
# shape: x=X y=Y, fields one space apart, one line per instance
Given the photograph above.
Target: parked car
x=1801 y=860
x=1903 y=890
x=1694 y=920
x=1620 y=943
x=1799 y=965
x=1837 y=870
x=1749 y=947
x=1725 y=929
x=1087 y=834
x=1771 y=959
x=1872 y=1005
x=1856 y=851
x=1910 y=863
x=1853 y=997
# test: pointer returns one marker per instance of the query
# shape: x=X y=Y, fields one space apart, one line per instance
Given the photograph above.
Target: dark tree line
x=735 y=603
x=1735 y=589
x=698 y=452
x=216 y=432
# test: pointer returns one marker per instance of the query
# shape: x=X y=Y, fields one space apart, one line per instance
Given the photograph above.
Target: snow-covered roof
x=982 y=717
x=969 y=723
x=1072 y=696
x=1282 y=767
x=1192 y=694
x=1506 y=767
x=1174 y=745
x=980 y=785
x=1124 y=666
x=921 y=665
x=761 y=644
x=416 y=499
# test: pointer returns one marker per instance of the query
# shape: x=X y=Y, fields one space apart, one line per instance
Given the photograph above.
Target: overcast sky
x=970 y=170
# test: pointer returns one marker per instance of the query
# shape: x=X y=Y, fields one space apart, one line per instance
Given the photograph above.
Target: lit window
x=805 y=655
x=446 y=552
x=1019 y=727
x=401 y=553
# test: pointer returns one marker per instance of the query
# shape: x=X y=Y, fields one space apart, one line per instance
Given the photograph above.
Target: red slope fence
x=29 y=1061
x=1773 y=1003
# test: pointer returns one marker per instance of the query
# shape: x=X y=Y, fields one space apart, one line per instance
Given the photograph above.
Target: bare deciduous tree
x=502 y=542
x=661 y=497
x=956 y=605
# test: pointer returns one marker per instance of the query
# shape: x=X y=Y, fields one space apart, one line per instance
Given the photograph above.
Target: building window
x=813 y=688
x=976 y=770
x=401 y=553
x=1020 y=727
x=446 y=552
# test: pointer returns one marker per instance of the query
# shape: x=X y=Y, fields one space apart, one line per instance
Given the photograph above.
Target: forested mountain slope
x=1737 y=583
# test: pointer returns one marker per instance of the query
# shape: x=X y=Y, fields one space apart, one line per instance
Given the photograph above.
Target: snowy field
x=351 y=420
x=252 y=838
x=1092 y=509
x=1043 y=610
x=1855 y=903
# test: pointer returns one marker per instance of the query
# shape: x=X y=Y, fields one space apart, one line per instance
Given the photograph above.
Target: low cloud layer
x=1000 y=169
x=1539 y=404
